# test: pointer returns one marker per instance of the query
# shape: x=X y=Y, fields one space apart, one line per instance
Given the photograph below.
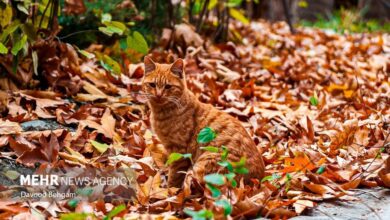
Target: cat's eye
x=153 y=85
x=168 y=86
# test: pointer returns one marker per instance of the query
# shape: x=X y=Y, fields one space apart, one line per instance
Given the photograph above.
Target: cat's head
x=163 y=83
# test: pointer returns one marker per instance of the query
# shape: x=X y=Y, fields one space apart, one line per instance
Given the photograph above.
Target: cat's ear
x=177 y=68
x=149 y=65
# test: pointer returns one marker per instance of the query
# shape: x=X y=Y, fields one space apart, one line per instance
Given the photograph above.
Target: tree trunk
x=379 y=9
x=314 y=9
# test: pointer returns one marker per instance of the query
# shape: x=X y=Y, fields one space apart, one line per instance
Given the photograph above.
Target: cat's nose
x=158 y=93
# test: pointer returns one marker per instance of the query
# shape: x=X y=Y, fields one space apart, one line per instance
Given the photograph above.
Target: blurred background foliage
x=119 y=32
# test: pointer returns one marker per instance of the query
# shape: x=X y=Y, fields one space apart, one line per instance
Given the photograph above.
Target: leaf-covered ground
x=316 y=104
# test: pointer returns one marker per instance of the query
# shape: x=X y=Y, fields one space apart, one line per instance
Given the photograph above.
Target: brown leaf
x=186 y=33
x=20 y=145
x=9 y=206
x=300 y=205
x=8 y=127
x=351 y=184
x=36 y=155
x=108 y=124
x=319 y=189
x=4 y=140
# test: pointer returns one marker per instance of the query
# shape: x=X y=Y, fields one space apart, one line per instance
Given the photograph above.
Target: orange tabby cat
x=177 y=117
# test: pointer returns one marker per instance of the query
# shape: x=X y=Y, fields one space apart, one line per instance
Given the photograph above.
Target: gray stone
x=373 y=204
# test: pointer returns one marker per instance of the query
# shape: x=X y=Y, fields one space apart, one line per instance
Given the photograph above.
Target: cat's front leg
x=176 y=172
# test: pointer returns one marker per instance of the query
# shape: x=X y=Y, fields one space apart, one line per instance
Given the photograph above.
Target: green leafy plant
x=314 y=100
x=115 y=211
x=131 y=43
x=223 y=10
x=200 y=215
x=321 y=169
x=74 y=216
x=20 y=30
x=225 y=204
x=173 y=157
x=215 y=181
x=101 y=147
x=73 y=203
x=206 y=135
x=347 y=20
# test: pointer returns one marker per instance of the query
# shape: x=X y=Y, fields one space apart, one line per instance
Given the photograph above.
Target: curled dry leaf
x=8 y=127
x=300 y=205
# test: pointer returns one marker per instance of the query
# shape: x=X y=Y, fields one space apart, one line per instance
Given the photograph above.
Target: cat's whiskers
x=176 y=101
x=142 y=94
x=173 y=100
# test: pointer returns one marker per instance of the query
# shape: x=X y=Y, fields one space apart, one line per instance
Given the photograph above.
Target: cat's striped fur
x=177 y=117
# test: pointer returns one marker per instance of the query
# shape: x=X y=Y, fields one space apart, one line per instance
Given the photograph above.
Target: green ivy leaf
x=3 y=49
x=123 y=43
x=233 y=3
x=106 y=17
x=225 y=153
x=313 y=101
x=101 y=147
x=266 y=178
x=238 y=15
x=87 y=54
x=225 y=204
x=9 y=30
x=215 y=178
x=111 y=65
x=73 y=203
x=230 y=176
x=197 y=7
x=115 y=211
x=321 y=170
x=203 y=214
x=187 y=156
x=113 y=27
x=114 y=30
x=106 y=31
x=215 y=192
x=241 y=170
x=137 y=42
x=210 y=149
x=19 y=45
x=234 y=183
x=226 y=164
x=240 y=163
x=173 y=157
x=274 y=176
x=206 y=135
x=74 y=216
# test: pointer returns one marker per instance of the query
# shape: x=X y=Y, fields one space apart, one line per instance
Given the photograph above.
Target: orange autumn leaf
x=344 y=88
x=300 y=163
x=351 y=184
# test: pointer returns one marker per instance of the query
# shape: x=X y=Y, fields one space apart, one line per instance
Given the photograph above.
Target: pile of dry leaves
x=316 y=103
